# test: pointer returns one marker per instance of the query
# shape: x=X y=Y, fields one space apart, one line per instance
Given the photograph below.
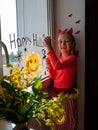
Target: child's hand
x=47 y=41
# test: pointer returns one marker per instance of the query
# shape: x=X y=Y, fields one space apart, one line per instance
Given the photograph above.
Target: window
x=23 y=26
x=8 y=26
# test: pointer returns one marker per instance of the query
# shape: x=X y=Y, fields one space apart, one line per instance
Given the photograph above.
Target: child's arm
x=70 y=62
x=51 y=71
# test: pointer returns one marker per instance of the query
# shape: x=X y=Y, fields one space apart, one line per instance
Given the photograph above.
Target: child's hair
x=70 y=36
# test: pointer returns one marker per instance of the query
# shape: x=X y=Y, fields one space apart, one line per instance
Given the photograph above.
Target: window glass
x=8 y=22
x=23 y=26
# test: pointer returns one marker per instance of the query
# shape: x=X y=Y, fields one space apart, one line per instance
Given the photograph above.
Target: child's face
x=64 y=43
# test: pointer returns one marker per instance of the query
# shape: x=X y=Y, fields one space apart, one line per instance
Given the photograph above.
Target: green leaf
x=5 y=84
x=36 y=86
x=37 y=83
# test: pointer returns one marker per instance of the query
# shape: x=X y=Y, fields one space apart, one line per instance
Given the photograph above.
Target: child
x=62 y=71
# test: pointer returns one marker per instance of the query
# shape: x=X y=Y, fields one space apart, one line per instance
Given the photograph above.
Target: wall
x=67 y=14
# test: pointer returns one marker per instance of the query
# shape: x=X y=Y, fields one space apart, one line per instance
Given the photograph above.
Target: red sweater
x=62 y=72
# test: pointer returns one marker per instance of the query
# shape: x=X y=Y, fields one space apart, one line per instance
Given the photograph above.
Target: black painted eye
x=44 y=56
x=35 y=61
x=30 y=61
x=25 y=49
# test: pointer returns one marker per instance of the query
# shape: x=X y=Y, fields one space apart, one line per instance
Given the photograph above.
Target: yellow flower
x=50 y=123
x=32 y=64
x=40 y=115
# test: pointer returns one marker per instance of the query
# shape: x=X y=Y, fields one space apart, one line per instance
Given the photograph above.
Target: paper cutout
x=77 y=32
x=59 y=31
x=70 y=15
x=77 y=53
x=77 y=22
x=70 y=30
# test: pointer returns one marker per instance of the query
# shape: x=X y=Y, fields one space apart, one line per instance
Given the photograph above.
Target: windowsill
x=46 y=83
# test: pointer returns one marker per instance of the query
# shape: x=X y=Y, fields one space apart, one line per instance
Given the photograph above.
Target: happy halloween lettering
x=23 y=41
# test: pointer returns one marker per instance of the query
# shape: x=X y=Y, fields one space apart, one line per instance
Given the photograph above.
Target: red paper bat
x=70 y=30
x=78 y=21
x=59 y=31
x=77 y=53
x=77 y=32
x=70 y=15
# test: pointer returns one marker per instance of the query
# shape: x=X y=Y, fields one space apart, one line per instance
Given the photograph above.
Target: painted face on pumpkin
x=32 y=64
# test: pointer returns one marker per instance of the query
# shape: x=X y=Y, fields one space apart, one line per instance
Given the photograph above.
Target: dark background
x=91 y=65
